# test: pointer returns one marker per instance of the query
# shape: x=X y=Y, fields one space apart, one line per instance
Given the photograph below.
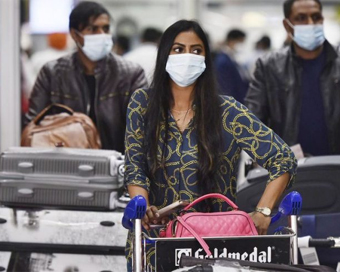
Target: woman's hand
x=270 y=196
x=261 y=222
x=152 y=217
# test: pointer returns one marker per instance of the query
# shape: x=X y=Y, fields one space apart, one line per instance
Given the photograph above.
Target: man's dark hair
x=264 y=42
x=83 y=12
x=287 y=6
x=151 y=34
x=123 y=42
x=235 y=34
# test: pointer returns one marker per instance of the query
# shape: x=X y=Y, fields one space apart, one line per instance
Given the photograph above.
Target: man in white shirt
x=146 y=53
x=57 y=48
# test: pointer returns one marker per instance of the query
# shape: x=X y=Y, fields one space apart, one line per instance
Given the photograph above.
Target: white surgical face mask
x=239 y=48
x=96 y=46
x=308 y=37
x=184 y=69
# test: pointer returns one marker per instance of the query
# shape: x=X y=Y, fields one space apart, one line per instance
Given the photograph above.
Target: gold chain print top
x=241 y=130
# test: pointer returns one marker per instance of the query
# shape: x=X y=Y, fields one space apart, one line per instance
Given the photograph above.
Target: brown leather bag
x=64 y=129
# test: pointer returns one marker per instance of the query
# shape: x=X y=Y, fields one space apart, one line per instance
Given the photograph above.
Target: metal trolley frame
x=281 y=249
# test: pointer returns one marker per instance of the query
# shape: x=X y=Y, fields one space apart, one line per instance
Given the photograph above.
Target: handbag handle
x=214 y=195
x=52 y=109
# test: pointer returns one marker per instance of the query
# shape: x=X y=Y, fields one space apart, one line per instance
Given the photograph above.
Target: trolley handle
x=321 y=243
x=308 y=241
x=135 y=209
x=291 y=204
x=132 y=220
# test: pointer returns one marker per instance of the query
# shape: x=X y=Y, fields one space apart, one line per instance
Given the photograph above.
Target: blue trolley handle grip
x=275 y=218
x=135 y=209
x=291 y=204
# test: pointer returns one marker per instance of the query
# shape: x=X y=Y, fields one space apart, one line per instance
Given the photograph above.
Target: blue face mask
x=308 y=37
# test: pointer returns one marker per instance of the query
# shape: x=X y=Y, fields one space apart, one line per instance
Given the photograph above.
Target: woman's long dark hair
x=207 y=118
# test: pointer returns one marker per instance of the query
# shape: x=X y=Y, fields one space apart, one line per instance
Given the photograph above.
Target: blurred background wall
x=255 y=17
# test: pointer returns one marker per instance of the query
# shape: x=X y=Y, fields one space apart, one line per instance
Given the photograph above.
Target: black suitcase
x=317 y=180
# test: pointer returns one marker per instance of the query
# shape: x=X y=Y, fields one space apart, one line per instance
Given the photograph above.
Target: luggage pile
x=61 y=177
x=61 y=209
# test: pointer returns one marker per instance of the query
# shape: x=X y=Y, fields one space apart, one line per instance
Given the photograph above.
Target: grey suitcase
x=61 y=177
x=59 y=228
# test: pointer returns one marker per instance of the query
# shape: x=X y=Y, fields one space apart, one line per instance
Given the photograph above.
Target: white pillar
x=10 y=95
x=189 y=9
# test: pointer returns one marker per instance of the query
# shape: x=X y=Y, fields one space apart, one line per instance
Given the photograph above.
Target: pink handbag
x=217 y=224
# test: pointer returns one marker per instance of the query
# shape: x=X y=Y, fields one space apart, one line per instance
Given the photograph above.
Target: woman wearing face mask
x=183 y=140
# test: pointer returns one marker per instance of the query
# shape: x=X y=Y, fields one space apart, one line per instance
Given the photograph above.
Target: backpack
x=59 y=126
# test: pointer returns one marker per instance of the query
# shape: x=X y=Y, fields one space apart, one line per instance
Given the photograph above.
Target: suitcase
x=317 y=180
x=41 y=262
x=61 y=231
x=58 y=240
x=61 y=177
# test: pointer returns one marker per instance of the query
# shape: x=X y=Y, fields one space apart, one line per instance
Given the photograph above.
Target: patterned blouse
x=241 y=131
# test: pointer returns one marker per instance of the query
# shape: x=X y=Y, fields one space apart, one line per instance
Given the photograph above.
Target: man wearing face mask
x=232 y=77
x=92 y=80
x=296 y=91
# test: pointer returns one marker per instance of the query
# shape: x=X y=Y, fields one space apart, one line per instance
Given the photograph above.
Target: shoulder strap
x=194 y=233
x=53 y=108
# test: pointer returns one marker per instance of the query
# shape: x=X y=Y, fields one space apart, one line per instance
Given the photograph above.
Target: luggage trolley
x=280 y=249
